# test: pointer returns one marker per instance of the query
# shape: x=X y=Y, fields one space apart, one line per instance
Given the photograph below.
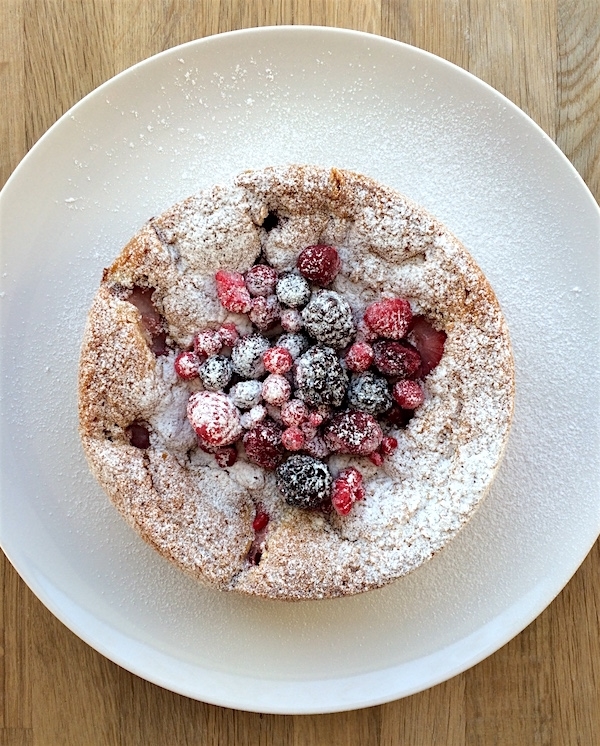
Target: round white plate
x=196 y=115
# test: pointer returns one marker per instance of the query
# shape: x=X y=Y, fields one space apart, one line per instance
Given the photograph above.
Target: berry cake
x=298 y=385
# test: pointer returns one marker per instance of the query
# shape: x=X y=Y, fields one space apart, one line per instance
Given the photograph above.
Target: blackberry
x=369 y=393
x=293 y=290
x=246 y=394
x=295 y=343
x=328 y=318
x=215 y=373
x=319 y=377
x=246 y=356
x=304 y=482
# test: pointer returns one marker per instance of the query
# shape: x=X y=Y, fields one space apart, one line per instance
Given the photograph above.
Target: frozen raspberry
x=376 y=458
x=261 y=280
x=369 y=392
x=295 y=343
x=246 y=394
x=309 y=430
x=319 y=264
x=261 y=519
x=341 y=498
x=246 y=356
x=358 y=433
x=359 y=357
x=291 y=320
x=408 y=394
x=328 y=318
x=278 y=360
x=389 y=318
x=293 y=439
x=139 y=435
x=319 y=377
x=251 y=418
x=429 y=343
x=347 y=489
x=292 y=290
x=186 y=365
x=214 y=417
x=229 y=335
x=276 y=389
x=232 y=291
x=264 y=311
x=263 y=444
x=317 y=448
x=294 y=412
x=226 y=457
x=396 y=358
x=206 y=343
x=388 y=445
x=304 y=482
x=215 y=373
x=364 y=333
x=354 y=479
x=315 y=419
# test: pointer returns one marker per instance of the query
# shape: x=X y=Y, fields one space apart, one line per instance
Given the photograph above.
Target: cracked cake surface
x=132 y=405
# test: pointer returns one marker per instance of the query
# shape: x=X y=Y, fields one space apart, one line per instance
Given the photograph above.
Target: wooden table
x=541 y=688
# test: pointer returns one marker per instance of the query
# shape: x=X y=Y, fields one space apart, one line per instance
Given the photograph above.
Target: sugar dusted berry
x=278 y=360
x=226 y=456
x=388 y=445
x=246 y=394
x=294 y=412
x=246 y=356
x=389 y=318
x=264 y=312
x=232 y=291
x=396 y=358
x=429 y=342
x=291 y=320
x=276 y=389
x=359 y=357
x=319 y=377
x=341 y=498
x=293 y=438
x=328 y=318
x=214 y=417
x=186 y=365
x=255 y=415
x=215 y=373
x=263 y=444
x=296 y=343
x=317 y=448
x=376 y=458
x=408 y=394
x=229 y=335
x=293 y=290
x=304 y=481
x=207 y=342
x=319 y=264
x=261 y=280
x=369 y=392
x=357 y=433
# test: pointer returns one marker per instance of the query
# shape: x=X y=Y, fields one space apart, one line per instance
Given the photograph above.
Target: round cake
x=296 y=385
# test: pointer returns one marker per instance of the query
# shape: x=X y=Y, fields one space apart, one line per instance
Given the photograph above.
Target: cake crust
x=199 y=515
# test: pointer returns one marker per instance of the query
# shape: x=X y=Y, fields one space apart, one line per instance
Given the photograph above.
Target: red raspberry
x=229 y=335
x=226 y=457
x=347 y=489
x=399 y=417
x=186 y=365
x=261 y=519
x=319 y=264
x=359 y=357
x=317 y=448
x=376 y=458
x=232 y=291
x=293 y=438
x=388 y=445
x=408 y=394
x=396 y=359
x=278 y=360
x=429 y=343
x=352 y=477
x=261 y=280
x=389 y=318
x=264 y=312
x=341 y=497
x=214 y=417
x=206 y=343
x=294 y=413
x=358 y=433
x=291 y=320
x=263 y=444
x=276 y=389
x=315 y=419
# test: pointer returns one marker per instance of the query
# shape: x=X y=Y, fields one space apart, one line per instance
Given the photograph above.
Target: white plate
x=198 y=114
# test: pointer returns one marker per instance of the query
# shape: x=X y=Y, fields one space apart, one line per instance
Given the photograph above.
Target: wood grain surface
x=541 y=688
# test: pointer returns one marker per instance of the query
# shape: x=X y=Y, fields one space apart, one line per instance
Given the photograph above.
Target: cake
x=326 y=258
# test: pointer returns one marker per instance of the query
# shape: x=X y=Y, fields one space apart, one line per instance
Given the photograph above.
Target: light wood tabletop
x=541 y=688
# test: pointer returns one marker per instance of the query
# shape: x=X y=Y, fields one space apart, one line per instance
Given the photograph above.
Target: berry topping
x=261 y=280
x=358 y=433
x=304 y=481
x=408 y=394
x=347 y=489
x=263 y=444
x=276 y=389
x=396 y=359
x=293 y=438
x=214 y=417
x=246 y=394
x=226 y=457
x=278 y=360
x=294 y=413
x=389 y=318
x=253 y=417
x=398 y=417
x=359 y=357
x=328 y=318
x=229 y=335
x=246 y=356
x=388 y=445
x=295 y=343
x=139 y=435
x=207 y=342
x=265 y=311
x=291 y=320
x=319 y=377
x=293 y=290
x=319 y=264
x=215 y=373
x=429 y=343
x=315 y=419
x=186 y=365
x=354 y=480
x=369 y=392
x=232 y=291
x=376 y=458
x=317 y=448
x=261 y=519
